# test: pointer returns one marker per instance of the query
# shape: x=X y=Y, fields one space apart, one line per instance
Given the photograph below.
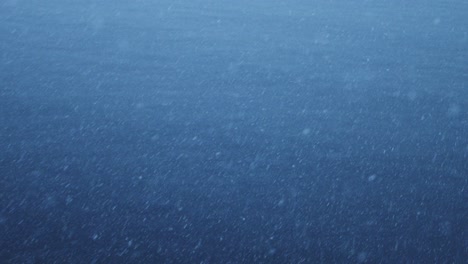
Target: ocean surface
x=222 y=131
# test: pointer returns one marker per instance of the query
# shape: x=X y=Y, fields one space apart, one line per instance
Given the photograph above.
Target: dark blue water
x=215 y=131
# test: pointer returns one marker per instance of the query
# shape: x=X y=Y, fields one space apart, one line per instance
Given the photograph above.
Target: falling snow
x=216 y=131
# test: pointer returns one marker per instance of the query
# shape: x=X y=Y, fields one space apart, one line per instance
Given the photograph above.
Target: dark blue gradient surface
x=233 y=131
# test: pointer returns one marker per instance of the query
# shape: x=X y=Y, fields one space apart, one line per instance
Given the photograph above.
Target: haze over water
x=233 y=131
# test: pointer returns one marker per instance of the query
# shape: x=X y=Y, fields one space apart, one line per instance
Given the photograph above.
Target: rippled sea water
x=233 y=131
